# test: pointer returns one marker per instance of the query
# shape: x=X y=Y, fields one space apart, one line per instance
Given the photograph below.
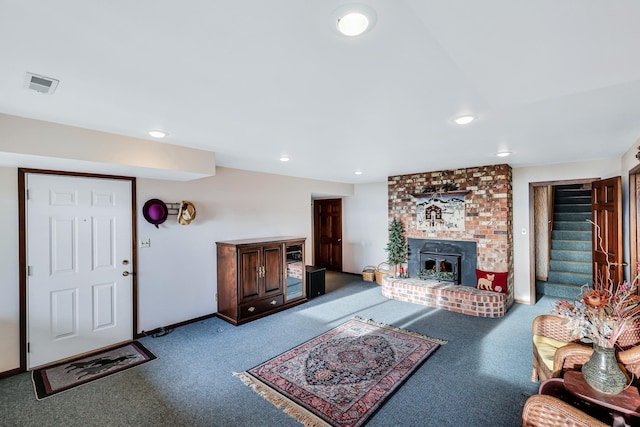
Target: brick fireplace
x=487 y=223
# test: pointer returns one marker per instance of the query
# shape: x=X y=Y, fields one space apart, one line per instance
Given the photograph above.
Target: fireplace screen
x=443 y=267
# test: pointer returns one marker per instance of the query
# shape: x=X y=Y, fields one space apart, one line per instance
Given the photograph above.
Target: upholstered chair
x=555 y=352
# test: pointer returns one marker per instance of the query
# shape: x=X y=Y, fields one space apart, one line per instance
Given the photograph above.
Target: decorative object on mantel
x=186 y=213
x=397 y=245
x=155 y=211
x=599 y=316
x=447 y=189
x=638 y=154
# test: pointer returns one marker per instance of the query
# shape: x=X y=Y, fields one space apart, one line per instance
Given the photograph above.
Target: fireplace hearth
x=445 y=260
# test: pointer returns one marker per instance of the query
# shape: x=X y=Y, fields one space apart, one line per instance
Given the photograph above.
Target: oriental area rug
x=69 y=374
x=343 y=376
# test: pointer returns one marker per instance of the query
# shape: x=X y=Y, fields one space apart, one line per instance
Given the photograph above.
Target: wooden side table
x=621 y=409
x=624 y=405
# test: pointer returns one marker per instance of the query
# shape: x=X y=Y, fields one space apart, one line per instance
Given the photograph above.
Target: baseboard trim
x=10 y=373
x=175 y=325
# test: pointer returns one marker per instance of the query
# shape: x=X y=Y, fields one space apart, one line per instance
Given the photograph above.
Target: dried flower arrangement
x=601 y=314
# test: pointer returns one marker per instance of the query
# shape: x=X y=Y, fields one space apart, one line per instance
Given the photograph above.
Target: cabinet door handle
x=274 y=302
x=251 y=309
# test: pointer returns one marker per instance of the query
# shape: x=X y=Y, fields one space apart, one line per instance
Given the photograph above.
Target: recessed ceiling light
x=503 y=153
x=157 y=133
x=464 y=120
x=353 y=19
x=358 y=172
x=353 y=24
x=284 y=158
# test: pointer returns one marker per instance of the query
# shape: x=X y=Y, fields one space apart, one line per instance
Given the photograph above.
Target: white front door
x=78 y=247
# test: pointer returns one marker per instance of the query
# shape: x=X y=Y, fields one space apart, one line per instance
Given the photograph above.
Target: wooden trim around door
x=634 y=217
x=22 y=249
x=532 y=237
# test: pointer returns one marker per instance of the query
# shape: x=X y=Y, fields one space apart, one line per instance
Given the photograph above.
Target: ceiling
x=550 y=81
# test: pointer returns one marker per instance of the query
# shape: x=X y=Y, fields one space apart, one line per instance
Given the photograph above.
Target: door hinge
x=27 y=194
x=29 y=270
x=28 y=347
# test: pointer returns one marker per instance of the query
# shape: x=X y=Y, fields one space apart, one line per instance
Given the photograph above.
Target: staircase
x=570 y=266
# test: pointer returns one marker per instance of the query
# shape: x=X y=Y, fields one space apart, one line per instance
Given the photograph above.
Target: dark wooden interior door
x=327 y=220
x=606 y=204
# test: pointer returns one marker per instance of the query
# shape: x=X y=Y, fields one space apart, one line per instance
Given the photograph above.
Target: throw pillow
x=491 y=281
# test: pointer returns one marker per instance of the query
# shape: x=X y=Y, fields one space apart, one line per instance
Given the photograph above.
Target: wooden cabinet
x=257 y=277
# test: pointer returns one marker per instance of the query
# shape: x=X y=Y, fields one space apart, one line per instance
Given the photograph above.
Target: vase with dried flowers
x=600 y=315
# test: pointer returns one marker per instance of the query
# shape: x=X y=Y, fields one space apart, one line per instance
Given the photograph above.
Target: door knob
x=126 y=273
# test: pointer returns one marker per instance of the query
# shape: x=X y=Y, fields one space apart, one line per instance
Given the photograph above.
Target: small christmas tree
x=397 y=245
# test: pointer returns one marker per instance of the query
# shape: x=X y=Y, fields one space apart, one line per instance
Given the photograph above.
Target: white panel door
x=78 y=247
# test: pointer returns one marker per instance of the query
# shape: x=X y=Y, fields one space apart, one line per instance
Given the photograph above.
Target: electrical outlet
x=145 y=243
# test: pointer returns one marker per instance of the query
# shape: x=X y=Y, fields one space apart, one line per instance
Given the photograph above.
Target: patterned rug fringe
x=292 y=409
x=404 y=331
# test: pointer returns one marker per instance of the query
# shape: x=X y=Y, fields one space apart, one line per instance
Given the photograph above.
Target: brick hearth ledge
x=458 y=298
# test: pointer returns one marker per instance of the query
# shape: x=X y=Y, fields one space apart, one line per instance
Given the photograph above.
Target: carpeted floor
x=481 y=377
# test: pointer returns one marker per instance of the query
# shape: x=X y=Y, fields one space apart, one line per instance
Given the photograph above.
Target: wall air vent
x=41 y=84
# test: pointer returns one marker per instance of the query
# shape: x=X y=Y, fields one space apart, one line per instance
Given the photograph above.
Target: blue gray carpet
x=480 y=378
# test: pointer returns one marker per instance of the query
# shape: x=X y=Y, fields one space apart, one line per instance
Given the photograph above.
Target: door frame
x=532 y=237
x=634 y=217
x=22 y=248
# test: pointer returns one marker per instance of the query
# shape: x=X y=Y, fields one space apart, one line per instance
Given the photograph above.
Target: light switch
x=145 y=243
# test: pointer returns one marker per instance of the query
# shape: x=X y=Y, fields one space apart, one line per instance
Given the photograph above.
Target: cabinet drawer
x=256 y=307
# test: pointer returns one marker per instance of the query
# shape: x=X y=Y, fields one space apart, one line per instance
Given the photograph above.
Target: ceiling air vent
x=41 y=84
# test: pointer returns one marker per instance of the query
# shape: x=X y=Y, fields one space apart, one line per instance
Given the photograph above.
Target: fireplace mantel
x=441 y=193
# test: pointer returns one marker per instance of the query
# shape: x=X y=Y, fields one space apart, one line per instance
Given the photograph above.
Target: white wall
x=177 y=274
x=9 y=289
x=365 y=227
x=604 y=168
x=45 y=145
